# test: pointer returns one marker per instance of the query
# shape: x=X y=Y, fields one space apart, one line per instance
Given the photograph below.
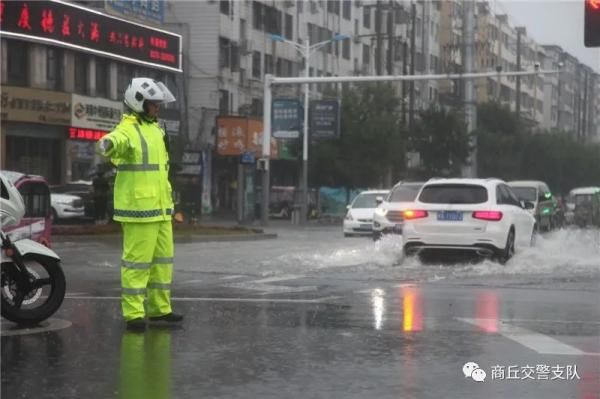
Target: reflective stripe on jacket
x=142 y=191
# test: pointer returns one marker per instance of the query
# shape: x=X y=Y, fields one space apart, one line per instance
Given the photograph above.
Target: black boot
x=138 y=324
x=170 y=318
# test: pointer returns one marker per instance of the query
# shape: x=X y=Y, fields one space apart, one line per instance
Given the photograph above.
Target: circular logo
x=79 y=110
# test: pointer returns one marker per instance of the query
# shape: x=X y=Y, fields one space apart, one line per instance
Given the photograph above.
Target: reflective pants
x=146 y=268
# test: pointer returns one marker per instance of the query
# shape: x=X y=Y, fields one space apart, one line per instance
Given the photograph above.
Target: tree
x=442 y=140
x=371 y=140
x=511 y=152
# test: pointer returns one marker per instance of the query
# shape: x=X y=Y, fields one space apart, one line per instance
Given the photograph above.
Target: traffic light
x=592 y=23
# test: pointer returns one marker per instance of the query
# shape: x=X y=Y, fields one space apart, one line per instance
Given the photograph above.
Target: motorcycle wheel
x=42 y=301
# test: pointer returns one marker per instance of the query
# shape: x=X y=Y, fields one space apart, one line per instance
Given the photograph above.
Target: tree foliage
x=441 y=138
x=371 y=140
x=508 y=151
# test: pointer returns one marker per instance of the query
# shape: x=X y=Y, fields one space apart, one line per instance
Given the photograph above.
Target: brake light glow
x=410 y=214
x=492 y=216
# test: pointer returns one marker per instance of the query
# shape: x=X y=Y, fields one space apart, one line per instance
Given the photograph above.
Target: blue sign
x=149 y=9
x=286 y=120
x=248 y=157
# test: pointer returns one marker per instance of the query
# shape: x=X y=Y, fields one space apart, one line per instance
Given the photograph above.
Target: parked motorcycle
x=32 y=281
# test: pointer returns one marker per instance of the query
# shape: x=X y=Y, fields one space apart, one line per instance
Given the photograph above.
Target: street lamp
x=306 y=50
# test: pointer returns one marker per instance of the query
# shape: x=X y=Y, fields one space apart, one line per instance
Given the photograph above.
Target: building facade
x=64 y=68
x=230 y=48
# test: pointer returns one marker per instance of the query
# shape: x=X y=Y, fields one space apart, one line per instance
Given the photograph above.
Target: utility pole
x=520 y=31
x=404 y=85
x=390 y=71
x=411 y=107
x=379 y=37
x=469 y=84
x=391 y=39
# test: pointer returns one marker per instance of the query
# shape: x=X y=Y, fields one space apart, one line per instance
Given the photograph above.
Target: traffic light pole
x=271 y=80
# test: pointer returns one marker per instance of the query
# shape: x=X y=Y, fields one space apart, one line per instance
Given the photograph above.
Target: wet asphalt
x=313 y=315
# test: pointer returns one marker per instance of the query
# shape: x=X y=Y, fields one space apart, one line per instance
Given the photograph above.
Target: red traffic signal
x=592 y=23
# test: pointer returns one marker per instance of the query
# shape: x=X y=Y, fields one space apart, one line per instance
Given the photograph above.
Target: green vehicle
x=545 y=208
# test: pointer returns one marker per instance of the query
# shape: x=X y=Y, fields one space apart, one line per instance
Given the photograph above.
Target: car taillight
x=408 y=215
x=492 y=216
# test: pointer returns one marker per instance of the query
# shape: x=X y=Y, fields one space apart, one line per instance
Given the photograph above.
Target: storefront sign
x=38 y=106
x=95 y=113
x=73 y=26
x=147 y=9
x=77 y=133
x=236 y=135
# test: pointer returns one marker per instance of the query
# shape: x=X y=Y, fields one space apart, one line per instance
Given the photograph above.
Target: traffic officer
x=143 y=204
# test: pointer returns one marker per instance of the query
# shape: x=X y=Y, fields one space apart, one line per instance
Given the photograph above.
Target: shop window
x=81 y=73
x=18 y=63
x=102 y=77
x=34 y=155
x=54 y=68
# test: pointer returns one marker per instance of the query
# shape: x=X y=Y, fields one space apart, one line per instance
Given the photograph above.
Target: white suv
x=477 y=216
x=388 y=217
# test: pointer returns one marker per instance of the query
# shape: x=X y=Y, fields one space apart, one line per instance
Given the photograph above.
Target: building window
x=223 y=102
x=257 y=15
x=54 y=68
x=367 y=17
x=225 y=6
x=366 y=55
x=272 y=20
x=346 y=9
x=256 y=71
x=124 y=75
x=224 y=53
x=81 y=75
x=102 y=77
x=268 y=64
x=289 y=27
x=346 y=49
x=333 y=6
x=257 y=107
x=18 y=63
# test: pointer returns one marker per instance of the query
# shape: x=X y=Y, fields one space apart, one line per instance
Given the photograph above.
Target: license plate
x=450 y=216
x=366 y=226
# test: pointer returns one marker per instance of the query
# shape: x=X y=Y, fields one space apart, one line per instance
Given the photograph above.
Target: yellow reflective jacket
x=142 y=191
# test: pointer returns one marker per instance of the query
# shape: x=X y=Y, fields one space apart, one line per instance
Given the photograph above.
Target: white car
x=479 y=216
x=388 y=218
x=66 y=206
x=359 y=217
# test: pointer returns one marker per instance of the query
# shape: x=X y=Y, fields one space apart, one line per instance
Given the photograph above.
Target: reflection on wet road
x=367 y=329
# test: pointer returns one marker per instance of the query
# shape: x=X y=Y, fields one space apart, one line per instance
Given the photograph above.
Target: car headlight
x=349 y=217
x=381 y=211
x=65 y=202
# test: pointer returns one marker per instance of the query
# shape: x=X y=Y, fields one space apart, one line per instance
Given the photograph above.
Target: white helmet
x=146 y=89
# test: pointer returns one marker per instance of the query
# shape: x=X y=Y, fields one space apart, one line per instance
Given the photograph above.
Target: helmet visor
x=168 y=97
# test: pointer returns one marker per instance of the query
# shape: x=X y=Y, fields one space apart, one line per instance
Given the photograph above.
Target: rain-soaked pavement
x=314 y=315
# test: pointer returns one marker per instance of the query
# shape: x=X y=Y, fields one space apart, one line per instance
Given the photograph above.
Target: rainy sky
x=552 y=22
